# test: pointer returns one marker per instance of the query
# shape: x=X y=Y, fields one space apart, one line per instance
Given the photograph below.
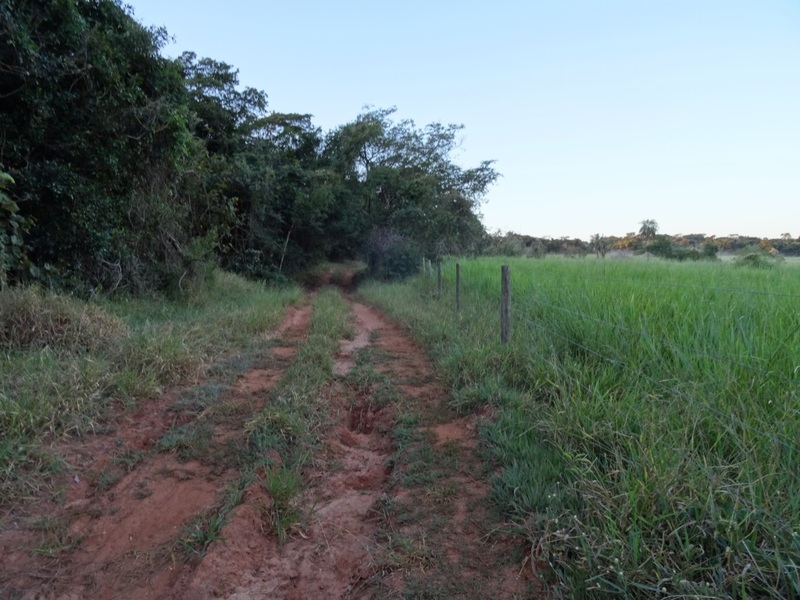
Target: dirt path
x=111 y=530
x=394 y=501
x=438 y=536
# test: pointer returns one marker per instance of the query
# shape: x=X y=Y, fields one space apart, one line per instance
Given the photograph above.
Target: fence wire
x=719 y=358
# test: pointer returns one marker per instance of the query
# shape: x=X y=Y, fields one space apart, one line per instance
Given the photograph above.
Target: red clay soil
x=440 y=535
x=367 y=531
x=328 y=554
x=120 y=543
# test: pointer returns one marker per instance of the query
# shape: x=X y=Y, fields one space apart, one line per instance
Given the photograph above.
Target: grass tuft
x=33 y=319
x=283 y=485
x=187 y=442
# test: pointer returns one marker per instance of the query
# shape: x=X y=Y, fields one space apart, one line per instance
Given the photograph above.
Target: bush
x=391 y=256
x=757 y=257
x=33 y=319
x=710 y=251
x=755 y=260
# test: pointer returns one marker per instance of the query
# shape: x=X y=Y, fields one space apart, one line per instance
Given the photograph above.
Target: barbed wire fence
x=505 y=325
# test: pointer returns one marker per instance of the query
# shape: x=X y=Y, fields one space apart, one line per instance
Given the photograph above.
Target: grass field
x=648 y=417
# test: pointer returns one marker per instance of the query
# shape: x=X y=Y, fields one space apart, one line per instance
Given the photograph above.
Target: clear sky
x=599 y=113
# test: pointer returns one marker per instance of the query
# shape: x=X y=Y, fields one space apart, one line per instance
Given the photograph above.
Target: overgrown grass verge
x=62 y=360
x=647 y=419
x=283 y=436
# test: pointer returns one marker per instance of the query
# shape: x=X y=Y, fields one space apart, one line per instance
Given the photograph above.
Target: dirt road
x=394 y=500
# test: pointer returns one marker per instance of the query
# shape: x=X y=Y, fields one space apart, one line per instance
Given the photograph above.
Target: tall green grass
x=649 y=419
x=62 y=360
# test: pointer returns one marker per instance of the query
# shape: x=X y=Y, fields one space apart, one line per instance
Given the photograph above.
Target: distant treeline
x=123 y=169
x=681 y=247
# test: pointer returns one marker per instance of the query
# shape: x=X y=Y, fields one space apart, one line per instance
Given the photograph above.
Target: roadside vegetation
x=122 y=169
x=647 y=423
x=64 y=362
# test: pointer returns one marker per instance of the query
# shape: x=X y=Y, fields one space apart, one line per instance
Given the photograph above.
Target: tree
x=648 y=229
x=131 y=169
x=407 y=181
x=93 y=119
x=600 y=245
x=223 y=115
x=12 y=228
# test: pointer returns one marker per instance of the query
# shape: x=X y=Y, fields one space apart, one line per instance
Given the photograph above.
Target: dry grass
x=33 y=319
x=63 y=361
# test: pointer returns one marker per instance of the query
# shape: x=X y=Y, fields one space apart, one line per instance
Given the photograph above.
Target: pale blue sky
x=599 y=113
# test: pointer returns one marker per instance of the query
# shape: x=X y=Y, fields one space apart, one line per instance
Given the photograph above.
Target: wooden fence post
x=505 y=304
x=439 y=276
x=458 y=287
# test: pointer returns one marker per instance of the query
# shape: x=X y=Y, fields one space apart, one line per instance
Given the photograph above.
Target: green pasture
x=647 y=436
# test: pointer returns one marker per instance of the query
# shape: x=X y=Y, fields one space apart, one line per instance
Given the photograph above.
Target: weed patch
x=197 y=399
x=206 y=528
x=283 y=486
x=365 y=382
x=187 y=442
x=128 y=459
x=55 y=538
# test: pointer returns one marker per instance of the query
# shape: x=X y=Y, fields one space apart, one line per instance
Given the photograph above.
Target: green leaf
x=5 y=179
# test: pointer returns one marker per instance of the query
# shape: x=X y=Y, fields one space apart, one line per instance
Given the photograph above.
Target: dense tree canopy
x=123 y=168
x=120 y=168
x=93 y=117
x=406 y=181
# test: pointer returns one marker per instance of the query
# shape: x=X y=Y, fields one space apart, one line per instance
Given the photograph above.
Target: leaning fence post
x=505 y=304
x=458 y=287
x=439 y=276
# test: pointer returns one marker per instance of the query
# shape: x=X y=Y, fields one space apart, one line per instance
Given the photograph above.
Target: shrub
x=391 y=256
x=33 y=319
x=754 y=261
x=755 y=258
